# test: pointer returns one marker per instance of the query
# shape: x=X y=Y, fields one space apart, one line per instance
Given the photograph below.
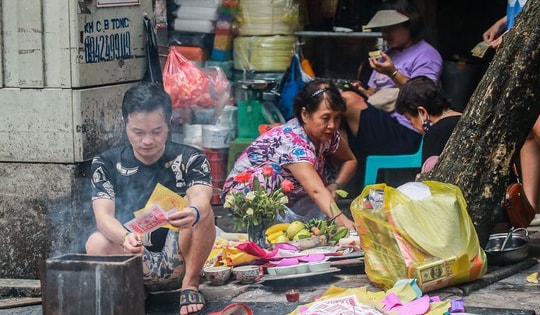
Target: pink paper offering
x=150 y=220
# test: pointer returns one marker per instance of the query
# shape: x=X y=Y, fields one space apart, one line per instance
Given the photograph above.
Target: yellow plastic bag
x=431 y=239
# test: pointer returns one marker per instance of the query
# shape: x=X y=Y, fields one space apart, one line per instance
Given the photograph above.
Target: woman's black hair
x=146 y=97
x=421 y=91
x=415 y=24
x=312 y=95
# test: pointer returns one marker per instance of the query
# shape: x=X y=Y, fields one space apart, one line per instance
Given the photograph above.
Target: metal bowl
x=259 y=85
x=515 y=250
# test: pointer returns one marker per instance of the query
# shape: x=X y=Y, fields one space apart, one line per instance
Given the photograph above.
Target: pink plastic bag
x=185 y=82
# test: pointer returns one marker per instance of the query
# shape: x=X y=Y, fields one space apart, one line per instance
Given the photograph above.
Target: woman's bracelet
x=337 y=215
x=394 y=74
x=198 y=214
x=337 y=184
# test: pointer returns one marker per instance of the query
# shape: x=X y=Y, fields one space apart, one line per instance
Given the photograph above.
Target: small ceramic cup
x=282 y=271
x=302 y=268
x=246 y=274
x=319 y=266
x=217 y=275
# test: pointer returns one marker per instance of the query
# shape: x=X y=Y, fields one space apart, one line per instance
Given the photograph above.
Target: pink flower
x=268 y=171
x=287 y=185
x=242 y=177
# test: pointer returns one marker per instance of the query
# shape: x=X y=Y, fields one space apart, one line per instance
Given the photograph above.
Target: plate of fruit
x=304 y=235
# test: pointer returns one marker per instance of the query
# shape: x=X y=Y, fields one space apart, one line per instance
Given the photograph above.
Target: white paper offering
x=341 y=305
x=150 y=220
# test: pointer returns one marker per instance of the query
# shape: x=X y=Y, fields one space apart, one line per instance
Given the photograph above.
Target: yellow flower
x=250 y=211
x=250 y=196
x=229 y=201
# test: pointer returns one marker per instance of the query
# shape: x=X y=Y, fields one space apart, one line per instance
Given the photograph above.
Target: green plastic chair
x=376 y=162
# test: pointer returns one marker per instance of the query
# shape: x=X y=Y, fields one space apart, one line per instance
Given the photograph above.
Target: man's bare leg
x=97 y=244
x=195 y=247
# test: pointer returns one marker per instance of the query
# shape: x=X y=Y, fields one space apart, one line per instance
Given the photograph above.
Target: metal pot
x=507 y=248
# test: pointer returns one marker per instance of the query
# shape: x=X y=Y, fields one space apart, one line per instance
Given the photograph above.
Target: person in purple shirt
x=408 y=54
x=370 y=130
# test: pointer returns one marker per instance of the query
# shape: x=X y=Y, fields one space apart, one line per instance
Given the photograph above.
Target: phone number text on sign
x=107 y=40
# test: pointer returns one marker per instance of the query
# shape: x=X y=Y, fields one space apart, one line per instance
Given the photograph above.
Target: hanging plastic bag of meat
x=186 y=84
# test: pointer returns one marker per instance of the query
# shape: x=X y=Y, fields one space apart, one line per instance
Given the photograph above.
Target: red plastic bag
x=185 y=82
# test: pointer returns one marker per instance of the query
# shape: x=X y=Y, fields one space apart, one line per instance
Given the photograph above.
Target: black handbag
x=153 y=66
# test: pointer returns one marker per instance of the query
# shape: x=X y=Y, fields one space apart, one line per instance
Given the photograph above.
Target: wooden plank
x=19 y=302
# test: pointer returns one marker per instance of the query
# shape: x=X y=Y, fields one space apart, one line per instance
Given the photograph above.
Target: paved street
x=503 y=290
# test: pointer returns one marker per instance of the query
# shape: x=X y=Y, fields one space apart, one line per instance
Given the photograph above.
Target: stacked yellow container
x=266 y=34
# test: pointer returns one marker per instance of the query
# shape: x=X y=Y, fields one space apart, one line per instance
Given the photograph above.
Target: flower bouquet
x=255 y=206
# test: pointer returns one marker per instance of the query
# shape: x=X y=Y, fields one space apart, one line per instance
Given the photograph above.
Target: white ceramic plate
x=352 y=262
x=320 y=250
x=332 y=252
x=299 y=275
x=347 y=256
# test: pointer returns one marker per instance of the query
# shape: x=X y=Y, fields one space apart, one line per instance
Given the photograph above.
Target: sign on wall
x=107 y=39
x=116 y=3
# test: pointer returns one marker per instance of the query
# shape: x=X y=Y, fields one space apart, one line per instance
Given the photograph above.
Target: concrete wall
x=44 y=212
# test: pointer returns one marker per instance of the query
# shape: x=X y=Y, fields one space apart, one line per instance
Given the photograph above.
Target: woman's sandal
x=192 y=297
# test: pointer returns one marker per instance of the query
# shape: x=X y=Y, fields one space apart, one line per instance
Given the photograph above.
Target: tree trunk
x=496 y=121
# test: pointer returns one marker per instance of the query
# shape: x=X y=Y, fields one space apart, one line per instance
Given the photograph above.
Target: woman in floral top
x=307 y=150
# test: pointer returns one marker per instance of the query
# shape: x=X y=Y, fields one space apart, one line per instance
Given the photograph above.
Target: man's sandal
x=192 y=297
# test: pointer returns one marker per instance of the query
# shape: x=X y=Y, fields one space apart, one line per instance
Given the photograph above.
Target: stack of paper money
x=480 y=49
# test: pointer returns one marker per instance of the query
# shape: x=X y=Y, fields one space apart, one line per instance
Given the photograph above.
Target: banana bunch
x=285 y=232
x=277 y=233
